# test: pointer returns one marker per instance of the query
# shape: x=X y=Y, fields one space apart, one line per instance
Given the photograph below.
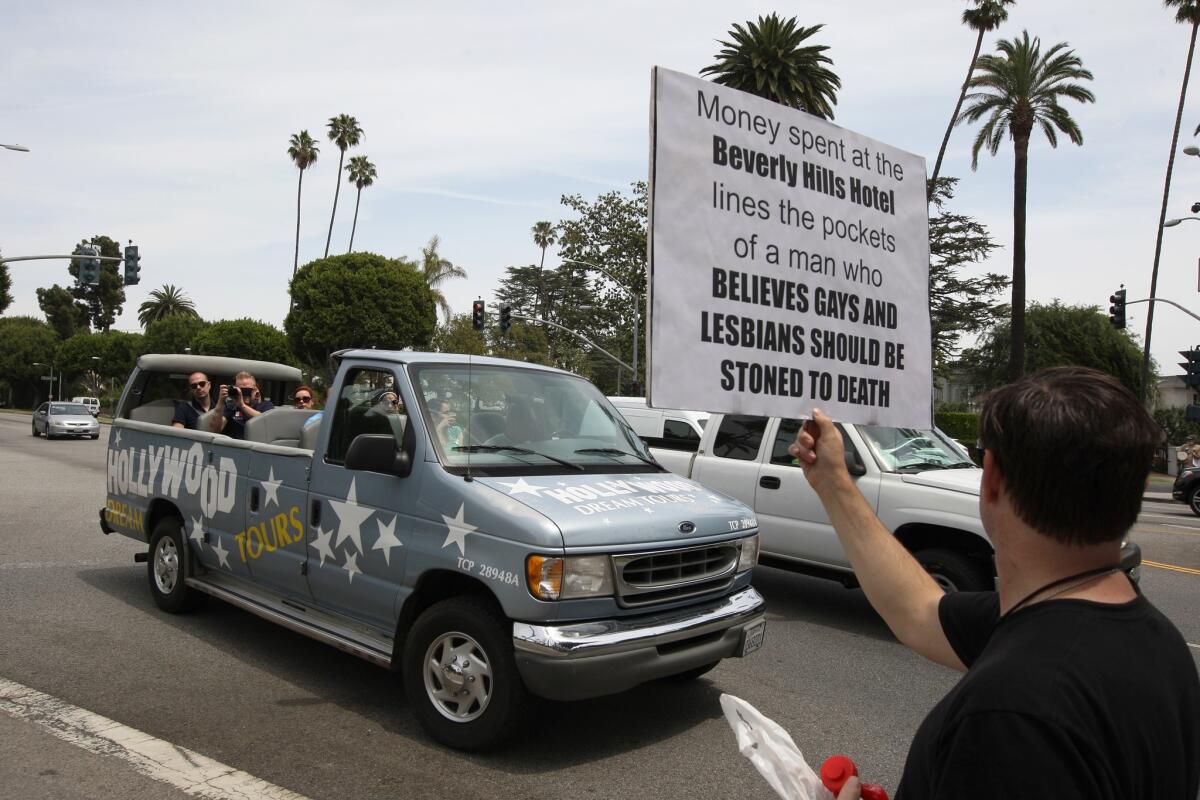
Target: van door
x=359 y=523
x=275 y=532
x=732 y=465
x=792 y=522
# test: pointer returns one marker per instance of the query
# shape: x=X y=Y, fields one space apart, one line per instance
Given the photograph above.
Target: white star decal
x=387 y=539
x=197 y=534
x=648 y=510
x=117 y=439
x=271 y=489
x=351 y=566
x=351 y=516
x=322 y=546
x=222 y=553
x=457 y=530
x=521 y=487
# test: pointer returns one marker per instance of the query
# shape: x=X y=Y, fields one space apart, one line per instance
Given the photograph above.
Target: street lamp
x=51 y=378
x=1191 y=151
x=18 y=147
x=637 y=304
x=1171 y=223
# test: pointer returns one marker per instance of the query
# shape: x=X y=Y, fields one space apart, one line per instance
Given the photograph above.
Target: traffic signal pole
x=1164 y=300
x=576 y=334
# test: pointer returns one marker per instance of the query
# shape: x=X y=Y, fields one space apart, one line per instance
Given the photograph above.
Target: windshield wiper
x=507 y=448
x=613 y=451
x=920 y=466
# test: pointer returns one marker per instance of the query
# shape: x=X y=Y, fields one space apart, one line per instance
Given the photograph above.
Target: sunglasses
x=198 y=384
x=300 y=399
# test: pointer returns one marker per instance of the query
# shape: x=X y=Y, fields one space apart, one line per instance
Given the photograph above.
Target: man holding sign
x=1075 y=685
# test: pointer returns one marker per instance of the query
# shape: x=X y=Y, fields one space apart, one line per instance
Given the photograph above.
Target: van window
x=787 y=434
x=368 y=403
x=739 y=437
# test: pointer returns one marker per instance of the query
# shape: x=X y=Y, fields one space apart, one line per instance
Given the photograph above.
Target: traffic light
x=505 y=318
x=477 y=315
x=132 y=265
x=1116 y=312
x=1191 y=368
x=89 y=267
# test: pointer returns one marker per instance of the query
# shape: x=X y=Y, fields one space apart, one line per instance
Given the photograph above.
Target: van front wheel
x=460 y=675
x=953 y=571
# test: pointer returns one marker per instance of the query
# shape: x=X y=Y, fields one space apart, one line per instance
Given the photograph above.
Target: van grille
x=645 y=578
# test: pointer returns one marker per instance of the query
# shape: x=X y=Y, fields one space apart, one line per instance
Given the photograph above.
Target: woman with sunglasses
x=303 y=398
x=199 y=401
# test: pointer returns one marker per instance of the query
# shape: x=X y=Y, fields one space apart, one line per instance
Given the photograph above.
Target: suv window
x=787 y=434
x=739 y=437
x=368 y=403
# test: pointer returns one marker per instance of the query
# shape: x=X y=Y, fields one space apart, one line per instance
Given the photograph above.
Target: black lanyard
x=1091 y=573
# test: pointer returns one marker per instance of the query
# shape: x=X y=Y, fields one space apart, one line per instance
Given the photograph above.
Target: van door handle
x=254 y=499
x=769 y=482
x=314 y=513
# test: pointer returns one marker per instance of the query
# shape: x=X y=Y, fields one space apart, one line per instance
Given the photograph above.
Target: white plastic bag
x=772 y=752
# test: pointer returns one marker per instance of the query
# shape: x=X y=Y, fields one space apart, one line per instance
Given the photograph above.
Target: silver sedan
x=65 y=419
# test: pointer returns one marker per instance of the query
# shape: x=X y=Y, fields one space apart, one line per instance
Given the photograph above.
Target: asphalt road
x=77 y=623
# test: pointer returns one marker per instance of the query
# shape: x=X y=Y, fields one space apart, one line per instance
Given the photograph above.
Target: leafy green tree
x=105 y=299
x=96 y=360
x=523 y=342
x=362 y=174
x=173 y=334
x=359 y=300
x=984 y=16
x=303 y=151
x=438 y=270
x=1016 y=90
x=458 y=336
x=1176 y=425
x=6 y=297
x=1058 y=335
x=165 y=302
x=959 y=304
x=64 y=313
x=23 y=341
x=243 y=338
x=770 y=59
x=345 y=132
x=1187 y=12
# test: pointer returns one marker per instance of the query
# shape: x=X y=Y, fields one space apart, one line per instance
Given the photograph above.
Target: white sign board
x=789 y=262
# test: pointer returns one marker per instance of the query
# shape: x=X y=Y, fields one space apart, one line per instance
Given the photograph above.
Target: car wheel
x=691 y=674
x=1193 y=500
x=96 y=436
x=953 y=571
x=35 y=433
x=167 y=568
x=460 y=675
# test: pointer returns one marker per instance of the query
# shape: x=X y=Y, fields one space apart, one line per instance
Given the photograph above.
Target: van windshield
x=508 y=420
x=914 y=449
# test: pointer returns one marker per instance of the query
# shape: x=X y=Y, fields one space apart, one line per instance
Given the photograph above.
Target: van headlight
x=748 y=553
x=570 y=578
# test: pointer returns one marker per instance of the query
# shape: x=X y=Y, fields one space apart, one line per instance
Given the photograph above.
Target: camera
x=234 y=394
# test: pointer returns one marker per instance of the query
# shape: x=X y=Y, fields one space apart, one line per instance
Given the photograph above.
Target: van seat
x=309 y=432
x=279 y=426
x=159 y=412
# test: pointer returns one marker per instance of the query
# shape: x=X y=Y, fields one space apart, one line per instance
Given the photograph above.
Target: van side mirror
x=853 y=465
x=377 y=452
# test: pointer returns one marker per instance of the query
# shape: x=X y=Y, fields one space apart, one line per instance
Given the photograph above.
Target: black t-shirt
x=1063 y=699
x=187 y=412
x=235 y=418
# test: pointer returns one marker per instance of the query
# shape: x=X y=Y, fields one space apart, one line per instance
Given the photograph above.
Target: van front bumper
x=590 y=659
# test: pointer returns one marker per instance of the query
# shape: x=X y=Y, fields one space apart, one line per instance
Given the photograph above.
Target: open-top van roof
x=217 y=365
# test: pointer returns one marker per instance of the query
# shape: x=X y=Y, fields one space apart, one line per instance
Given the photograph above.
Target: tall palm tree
x=1188 y=13
x=436 y=271
x=344 y=132
x=303 y=150
x=167 y=301
x=362 y=174
x=769 y=59
x=543 y=237
x=1016 y=90
x=987 y=15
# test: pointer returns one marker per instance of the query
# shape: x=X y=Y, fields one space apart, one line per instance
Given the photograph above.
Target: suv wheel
x=1194 y=500
x=953 y=571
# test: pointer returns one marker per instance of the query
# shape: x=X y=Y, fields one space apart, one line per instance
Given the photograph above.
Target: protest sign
x=789 y=262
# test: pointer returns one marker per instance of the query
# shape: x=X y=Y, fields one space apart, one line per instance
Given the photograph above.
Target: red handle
x=838 y=769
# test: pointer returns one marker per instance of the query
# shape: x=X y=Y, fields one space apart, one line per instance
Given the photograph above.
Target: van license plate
x=752 y=637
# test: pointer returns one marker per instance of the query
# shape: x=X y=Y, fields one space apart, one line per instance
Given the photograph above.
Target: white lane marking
x=184 y=769
x=1197 y=646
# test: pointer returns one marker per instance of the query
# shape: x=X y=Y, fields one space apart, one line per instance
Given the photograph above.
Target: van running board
x=314 y=624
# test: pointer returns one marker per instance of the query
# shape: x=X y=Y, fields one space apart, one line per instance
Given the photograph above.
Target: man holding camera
x=237 y=404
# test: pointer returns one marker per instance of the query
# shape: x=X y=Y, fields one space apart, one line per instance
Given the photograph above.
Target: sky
x=168 y=124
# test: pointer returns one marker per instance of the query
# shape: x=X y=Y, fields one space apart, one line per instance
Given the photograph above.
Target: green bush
x=961 y=425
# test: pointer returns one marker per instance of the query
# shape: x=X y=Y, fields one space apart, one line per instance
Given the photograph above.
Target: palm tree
x=1187 y=12
x=167 y=301
x=362 y=174
x=344 y=132
x=1016 y=90
x=303 y=150
x=987 y=15
x=769 y=59
x=543 y=237
x=436 y=270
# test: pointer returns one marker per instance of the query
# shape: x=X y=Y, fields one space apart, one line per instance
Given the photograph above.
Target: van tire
x=468 y=637
x=954 y=571
x=167 y=568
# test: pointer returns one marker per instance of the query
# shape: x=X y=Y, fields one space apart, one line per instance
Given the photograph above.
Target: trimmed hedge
x=961 y=425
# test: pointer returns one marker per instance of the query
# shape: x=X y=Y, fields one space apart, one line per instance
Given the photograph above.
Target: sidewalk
x=1158 y=489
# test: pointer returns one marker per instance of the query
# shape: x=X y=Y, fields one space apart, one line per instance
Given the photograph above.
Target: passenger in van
x=242 y=402
x=199 y=401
